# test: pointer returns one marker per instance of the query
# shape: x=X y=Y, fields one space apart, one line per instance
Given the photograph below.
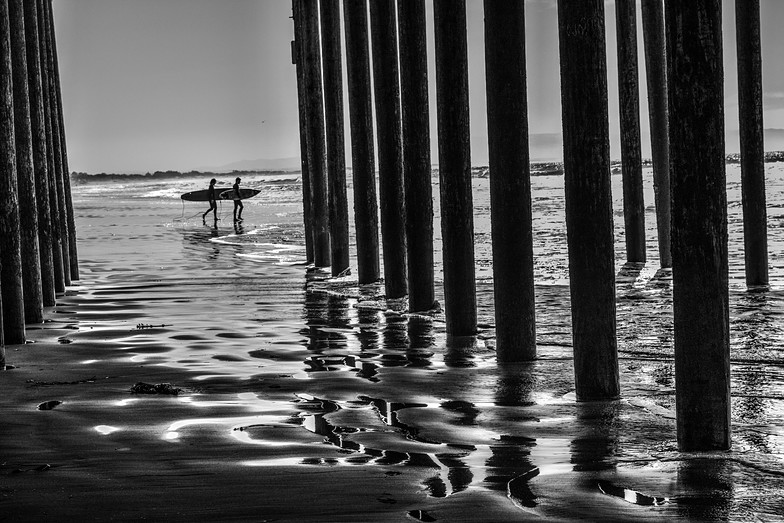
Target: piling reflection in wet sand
x=705 y=488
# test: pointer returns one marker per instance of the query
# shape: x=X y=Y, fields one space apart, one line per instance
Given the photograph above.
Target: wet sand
x=309 y=398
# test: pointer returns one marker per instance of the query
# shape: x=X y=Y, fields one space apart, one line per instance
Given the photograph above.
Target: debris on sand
x=35 y=383
x=144 y=326
x=158 y=388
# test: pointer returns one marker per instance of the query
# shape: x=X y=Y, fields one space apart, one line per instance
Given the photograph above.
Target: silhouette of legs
x=214 y=209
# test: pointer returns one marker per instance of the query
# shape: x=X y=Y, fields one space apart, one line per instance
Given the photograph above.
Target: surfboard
x=228 y=194
x=202 y=195
x=221 y=193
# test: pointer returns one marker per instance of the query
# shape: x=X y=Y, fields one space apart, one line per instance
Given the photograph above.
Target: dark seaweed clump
x=158 y=388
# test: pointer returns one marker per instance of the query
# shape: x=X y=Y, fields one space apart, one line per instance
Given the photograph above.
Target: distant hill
x=549 y=146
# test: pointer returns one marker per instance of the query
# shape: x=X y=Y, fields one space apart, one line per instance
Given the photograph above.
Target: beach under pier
x=536 y=342
x=304 y=396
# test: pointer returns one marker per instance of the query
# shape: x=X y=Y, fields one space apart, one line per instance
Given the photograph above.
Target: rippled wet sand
x=306 y=397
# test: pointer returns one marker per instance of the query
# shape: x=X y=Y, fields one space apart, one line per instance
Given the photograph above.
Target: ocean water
x=236 y=308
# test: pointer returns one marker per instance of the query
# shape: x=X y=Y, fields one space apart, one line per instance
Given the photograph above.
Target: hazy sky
x=187 y=84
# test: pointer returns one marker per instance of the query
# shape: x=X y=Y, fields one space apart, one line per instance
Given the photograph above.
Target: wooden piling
x=2 y=337
x=307 y=205
x=454 y=159
x=40 y=164
x=510 y=180
x=699 y=224
x=56 y=152
x=589 y=221
x=28 y=212
x=656 y=77
x=362 y=150
x=752 y=147
x=54 y=208
x=316 y=134
x=10 y=249
x=336 y=153
x=70 y=222
x=383 y=32
x=298 y=59
x=631 y=154
x=417 y=170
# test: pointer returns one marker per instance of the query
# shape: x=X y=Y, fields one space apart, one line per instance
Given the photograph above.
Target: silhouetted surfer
x=213 y=203
x=237 y=200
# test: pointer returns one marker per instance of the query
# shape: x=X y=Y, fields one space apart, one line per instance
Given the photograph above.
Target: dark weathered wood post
x=10 y=250
x=454 y=159
x=589 y=220
x=383 y=35
x=656 y=76
x=631 y=154
x=2 y=337
x=752 y=148
x=416 y=154
x=73 y=258
x=40 y=164
x=336 y=153
x=298 y=58
x=307 y=206
x=54 y=207
x=56 y=152
x=699 y=224
x=362 y=151
x=25 y=176
x=510 y=180
x=316 y=134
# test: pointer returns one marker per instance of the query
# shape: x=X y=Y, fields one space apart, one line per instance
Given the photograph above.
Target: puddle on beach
x=298 y=369
x=106 y=429
x=630 y=496
x=453 y=467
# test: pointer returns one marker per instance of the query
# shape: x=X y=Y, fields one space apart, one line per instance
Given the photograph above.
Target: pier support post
x=316 y=139
x=336 y=153
x=631 y=154
x=298 y=58
x=68 y=217
x=362 y=150
x=510 y=180
x=54 y=208
x=454 y=159
x=752 y=148
x=25 y=176
x=10 y=250
x=58 y=139
x=589 y=221
x=699 y=224
x=2 y=337
x=383 y=32
x=656 y=77
x=40 y=151
x=416 y=154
